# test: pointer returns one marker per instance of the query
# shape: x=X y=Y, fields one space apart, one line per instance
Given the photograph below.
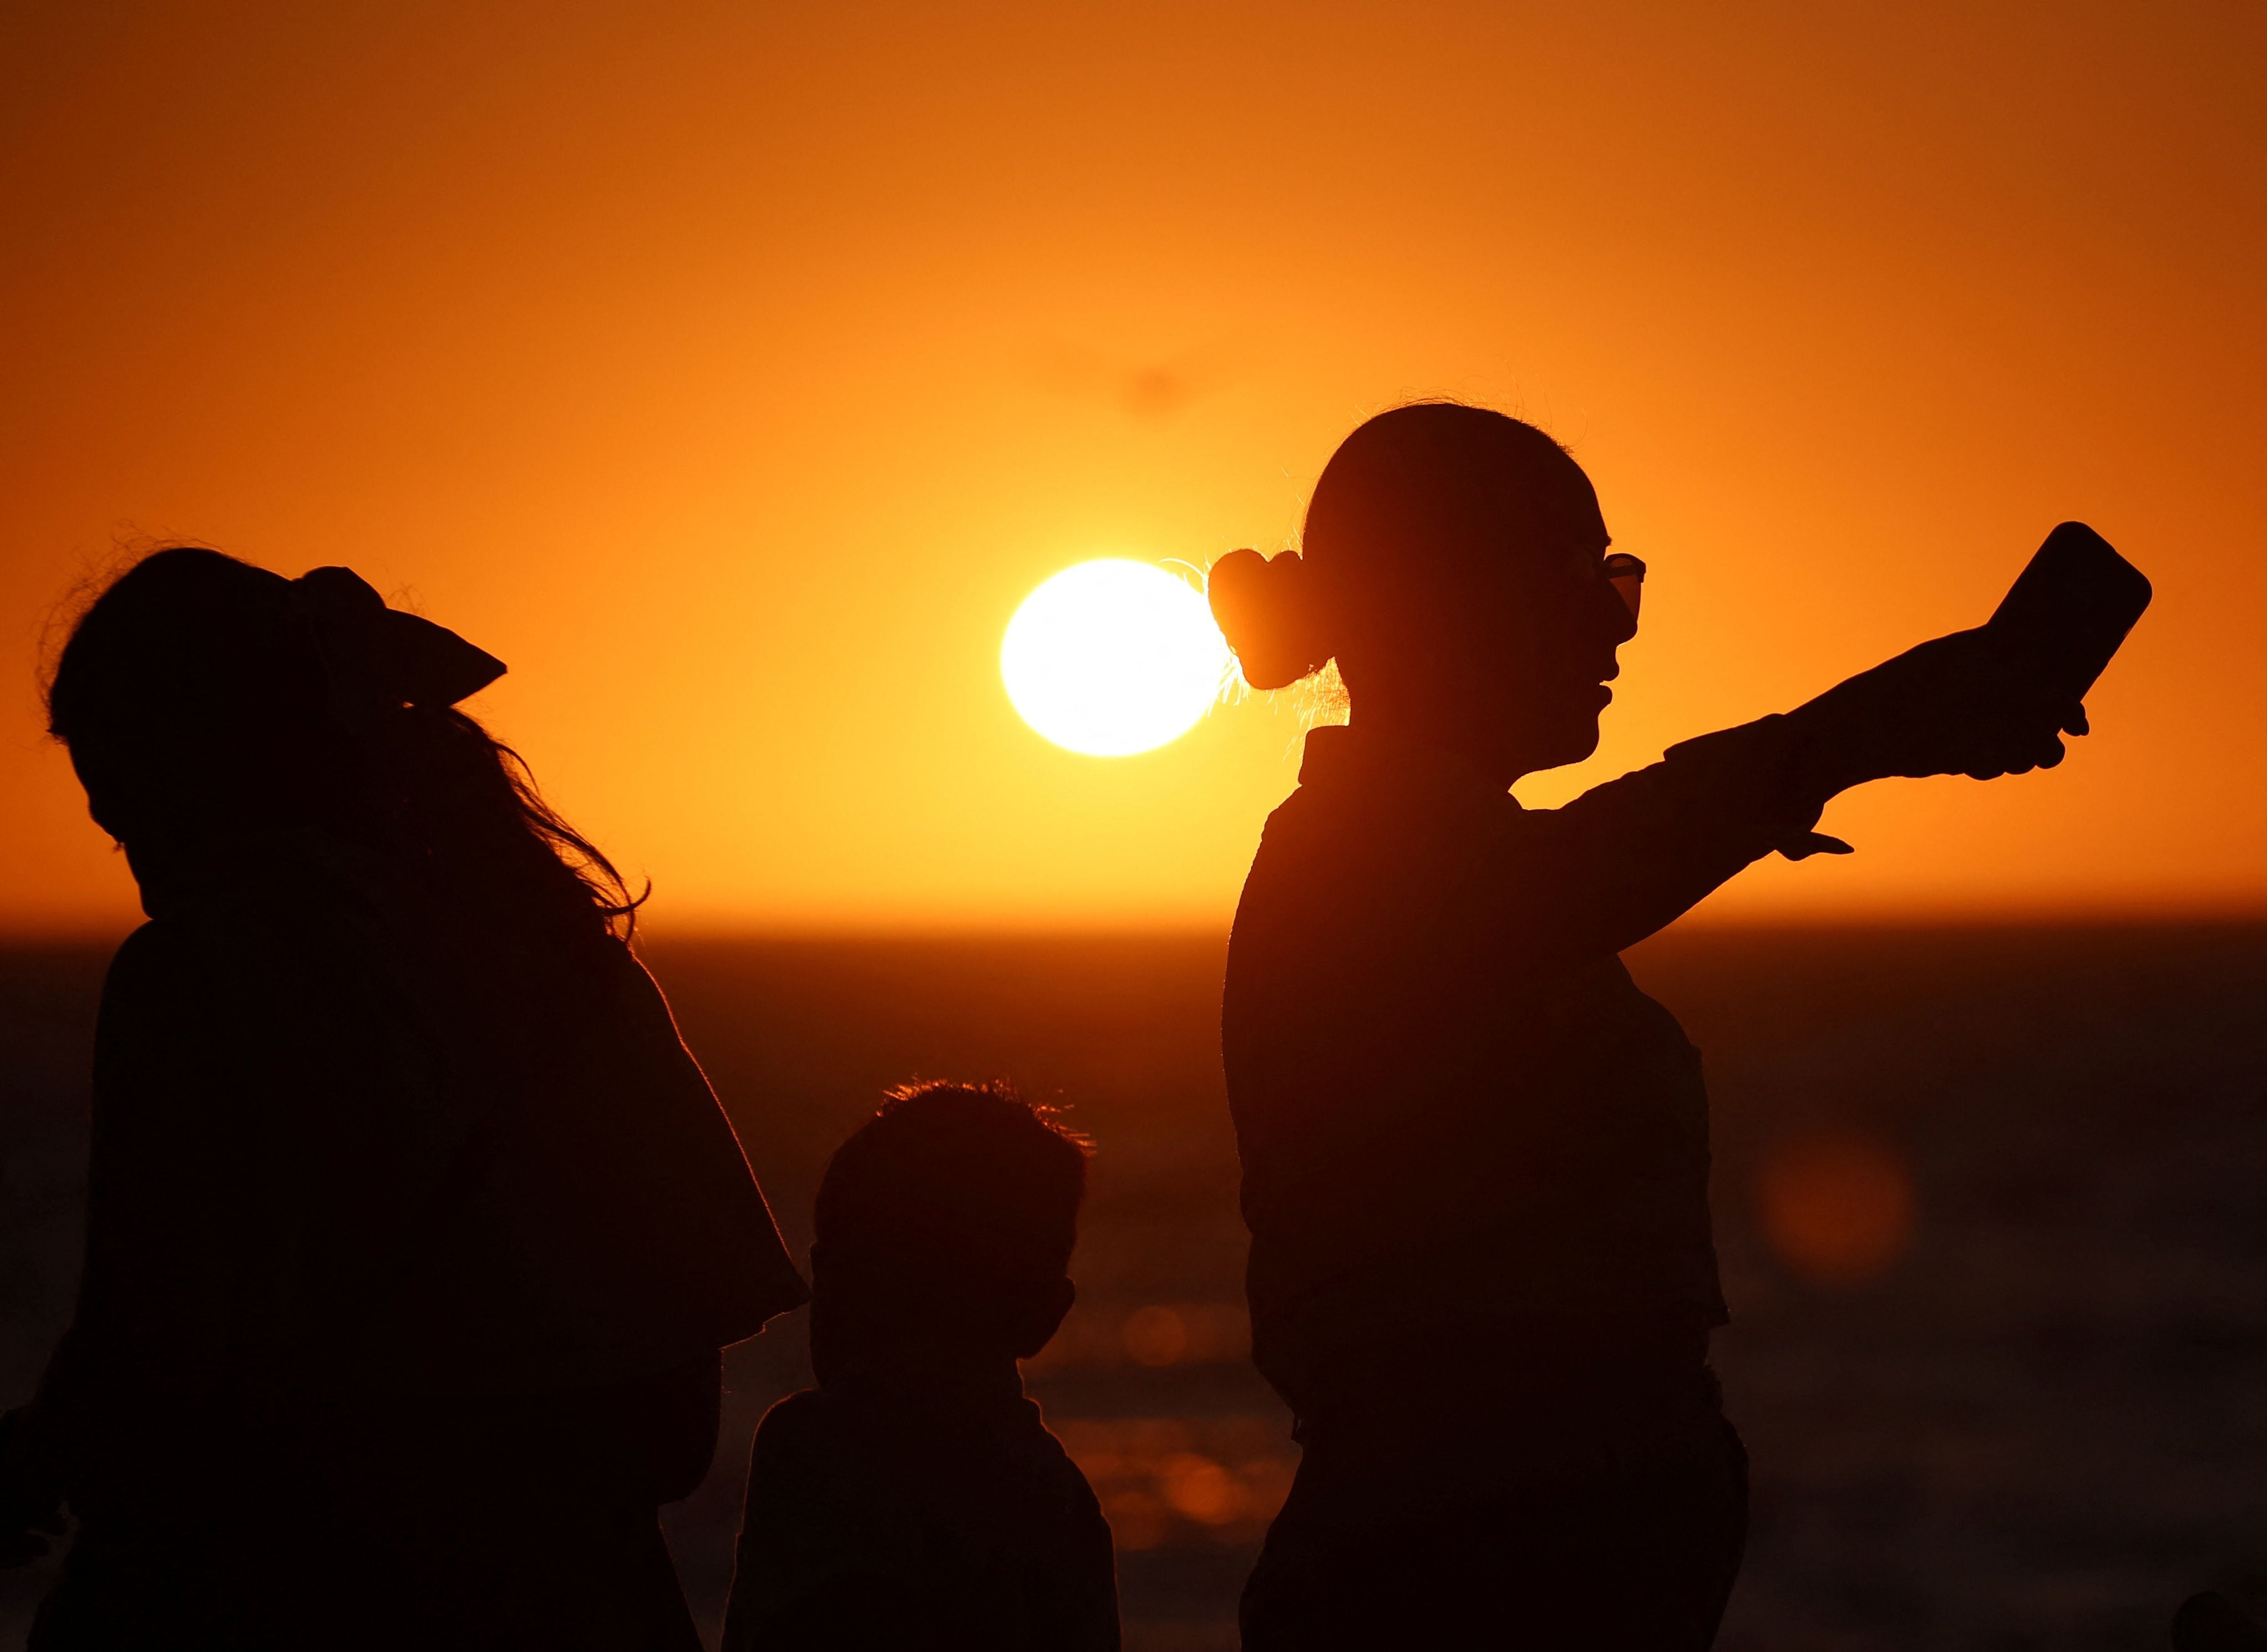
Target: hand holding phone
x=1991 y=701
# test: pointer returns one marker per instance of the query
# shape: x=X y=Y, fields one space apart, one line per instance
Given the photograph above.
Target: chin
x=1573 y=745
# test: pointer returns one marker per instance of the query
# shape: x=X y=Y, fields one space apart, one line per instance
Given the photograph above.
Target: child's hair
x=965 y=1179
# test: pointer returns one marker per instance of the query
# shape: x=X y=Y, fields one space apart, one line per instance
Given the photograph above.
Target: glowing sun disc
x=1112 y=657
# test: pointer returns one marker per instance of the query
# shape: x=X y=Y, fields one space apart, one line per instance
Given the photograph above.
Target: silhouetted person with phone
x=1475 y=1156
x=414 y=1232
x=914 y=1502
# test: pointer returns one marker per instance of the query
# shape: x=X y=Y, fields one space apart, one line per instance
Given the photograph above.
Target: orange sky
x=733 y=371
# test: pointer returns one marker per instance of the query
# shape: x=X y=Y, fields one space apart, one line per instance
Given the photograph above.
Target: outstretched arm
x=1628 y=857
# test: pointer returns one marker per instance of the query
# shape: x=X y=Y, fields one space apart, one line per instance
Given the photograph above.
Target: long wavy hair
x=193 y=706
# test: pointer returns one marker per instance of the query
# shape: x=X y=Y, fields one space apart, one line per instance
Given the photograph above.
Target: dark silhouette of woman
x=1475 y=1155
x=414 y=1231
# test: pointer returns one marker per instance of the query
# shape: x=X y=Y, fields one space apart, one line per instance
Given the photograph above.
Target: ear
x=1046 y=1310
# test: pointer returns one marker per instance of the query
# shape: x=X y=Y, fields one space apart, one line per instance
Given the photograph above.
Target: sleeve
x=629 y=1232
x=1628 y=857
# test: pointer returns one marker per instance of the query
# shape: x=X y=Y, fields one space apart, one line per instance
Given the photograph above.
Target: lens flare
x=1112 y=657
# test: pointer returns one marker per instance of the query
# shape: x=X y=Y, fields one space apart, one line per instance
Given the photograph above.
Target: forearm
x=1628 y=857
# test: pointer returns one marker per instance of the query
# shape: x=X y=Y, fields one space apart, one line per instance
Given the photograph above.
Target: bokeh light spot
x=1112 y=657
x=1200 y=1489
x=1155 y=1336
x=1174 y=1481
x=1836 y=1207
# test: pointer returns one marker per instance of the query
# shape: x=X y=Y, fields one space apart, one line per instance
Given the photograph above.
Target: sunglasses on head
x=1626 y=574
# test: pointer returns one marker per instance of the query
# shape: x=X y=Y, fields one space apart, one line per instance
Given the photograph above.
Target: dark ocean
x=1992 y=1206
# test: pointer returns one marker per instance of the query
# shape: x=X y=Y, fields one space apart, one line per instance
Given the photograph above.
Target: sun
x=1112 y=657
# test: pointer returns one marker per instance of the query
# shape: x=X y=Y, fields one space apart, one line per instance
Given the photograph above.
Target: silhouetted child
x=915 y=1500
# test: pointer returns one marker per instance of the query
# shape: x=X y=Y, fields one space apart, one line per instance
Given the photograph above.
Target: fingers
x=2017 y=756
x=2076 y=723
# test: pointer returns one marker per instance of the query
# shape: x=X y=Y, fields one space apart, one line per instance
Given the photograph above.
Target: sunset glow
x=734 y=373
x=1112 y=657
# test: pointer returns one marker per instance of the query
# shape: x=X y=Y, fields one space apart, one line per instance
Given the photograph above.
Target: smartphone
x=2071 y=607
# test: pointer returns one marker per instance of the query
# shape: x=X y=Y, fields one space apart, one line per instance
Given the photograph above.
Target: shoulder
x=148 y=962
x=168 y=952
x=266 y=1003
x=169 y=979
x=792 y=1423
x=811 y=1447
x=1046 y=1443
x=821 y=1506
x=1050 y=1461
x=148 y=947
x=281 y=940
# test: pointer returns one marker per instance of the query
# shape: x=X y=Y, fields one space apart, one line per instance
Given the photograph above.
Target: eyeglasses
x=1626 y=574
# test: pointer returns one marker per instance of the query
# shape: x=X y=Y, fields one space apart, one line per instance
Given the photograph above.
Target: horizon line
x=31 y=937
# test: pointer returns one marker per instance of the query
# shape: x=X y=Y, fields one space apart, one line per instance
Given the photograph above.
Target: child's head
x=943 y=1230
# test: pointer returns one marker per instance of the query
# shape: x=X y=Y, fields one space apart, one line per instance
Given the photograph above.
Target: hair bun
x=1268 y=611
